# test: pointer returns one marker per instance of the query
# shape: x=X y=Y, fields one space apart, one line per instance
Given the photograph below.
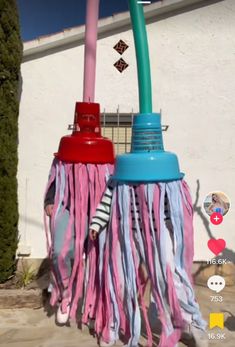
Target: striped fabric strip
x=102 y=215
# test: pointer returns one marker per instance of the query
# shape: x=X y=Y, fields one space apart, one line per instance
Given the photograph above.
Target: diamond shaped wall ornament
x=121 y=65
x=121 y=47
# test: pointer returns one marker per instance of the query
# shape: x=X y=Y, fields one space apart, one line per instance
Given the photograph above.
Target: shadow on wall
x=31 y=222
x=227 y=253
x=20 y=88
x=230 y=321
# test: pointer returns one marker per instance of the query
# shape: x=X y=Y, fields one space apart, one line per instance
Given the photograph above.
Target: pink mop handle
x=92 y=13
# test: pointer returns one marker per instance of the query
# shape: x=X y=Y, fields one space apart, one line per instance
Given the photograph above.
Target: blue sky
x=43 y=17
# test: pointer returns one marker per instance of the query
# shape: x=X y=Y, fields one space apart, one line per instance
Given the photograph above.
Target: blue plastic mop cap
x=147 y=133
x=147 y=161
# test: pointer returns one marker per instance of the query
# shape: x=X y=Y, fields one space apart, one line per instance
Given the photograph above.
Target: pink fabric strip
x=156 y=209
x=150 y=261
x=116 y=252
x=57 y=197
x=91 y=286
x=67 y=168
x=49 y=232
x=97 y=184
x=140 y=285
x=68 y=237
x=106 y=297
x=173 y=300
x=188 y=230
x=81 y=212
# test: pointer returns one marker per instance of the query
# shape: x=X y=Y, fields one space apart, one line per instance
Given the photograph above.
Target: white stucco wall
x=193 y=68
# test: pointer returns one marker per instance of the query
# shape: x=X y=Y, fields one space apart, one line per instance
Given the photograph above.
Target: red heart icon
x=216 y=246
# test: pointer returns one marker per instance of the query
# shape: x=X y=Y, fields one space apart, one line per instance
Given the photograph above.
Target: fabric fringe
x=81 y=187
x=150 y=225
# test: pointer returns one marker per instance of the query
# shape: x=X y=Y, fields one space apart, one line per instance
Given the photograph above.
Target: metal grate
x=118 y=128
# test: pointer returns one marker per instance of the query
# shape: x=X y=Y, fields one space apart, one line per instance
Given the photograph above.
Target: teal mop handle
x=142 y=56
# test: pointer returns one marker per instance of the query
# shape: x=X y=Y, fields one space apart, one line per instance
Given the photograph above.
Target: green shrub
x=10 y=59
x=25 y=275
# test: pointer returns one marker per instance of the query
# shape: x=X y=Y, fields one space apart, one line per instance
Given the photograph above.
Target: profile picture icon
x=216 y=202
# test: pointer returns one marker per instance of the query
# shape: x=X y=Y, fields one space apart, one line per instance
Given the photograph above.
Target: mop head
x=150 y=227
x=78 y=188
x=78 y=177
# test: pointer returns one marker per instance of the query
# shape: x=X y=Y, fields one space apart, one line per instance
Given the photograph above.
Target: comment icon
x=216 y=283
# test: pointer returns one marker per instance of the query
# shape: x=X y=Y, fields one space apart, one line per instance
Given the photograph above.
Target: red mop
x=79 y=172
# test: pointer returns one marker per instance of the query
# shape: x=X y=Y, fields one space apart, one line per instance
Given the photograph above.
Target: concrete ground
x=33 y=328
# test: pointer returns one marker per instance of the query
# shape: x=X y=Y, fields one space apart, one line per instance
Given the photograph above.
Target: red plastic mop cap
x=87 y=117
x=87 y=108
x=85 y=144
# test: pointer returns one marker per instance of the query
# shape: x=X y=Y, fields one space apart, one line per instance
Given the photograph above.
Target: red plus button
x=216 y=218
